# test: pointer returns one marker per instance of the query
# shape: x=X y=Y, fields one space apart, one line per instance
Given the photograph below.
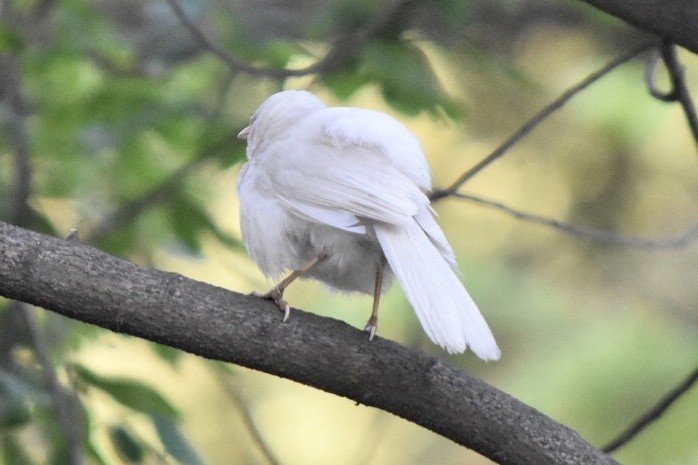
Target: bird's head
x=276 y=114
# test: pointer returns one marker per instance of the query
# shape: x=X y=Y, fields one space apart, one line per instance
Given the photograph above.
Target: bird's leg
x=372 y=323
x=277 y=292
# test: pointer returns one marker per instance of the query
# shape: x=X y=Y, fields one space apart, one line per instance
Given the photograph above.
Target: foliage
x=129 y=122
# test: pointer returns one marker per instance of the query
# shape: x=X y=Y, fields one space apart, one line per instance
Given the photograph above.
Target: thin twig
x=343 y=50
x=678 y=91
x=653 y=414
x=529 y=125
x=651 y=79
x=250 y=424
x=592 y=234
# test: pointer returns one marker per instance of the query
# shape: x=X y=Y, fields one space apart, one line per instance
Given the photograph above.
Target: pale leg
x=277 y=292
x=372 y=323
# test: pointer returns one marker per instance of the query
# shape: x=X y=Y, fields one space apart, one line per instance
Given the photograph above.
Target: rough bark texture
x=84 y=283
x=676 y=20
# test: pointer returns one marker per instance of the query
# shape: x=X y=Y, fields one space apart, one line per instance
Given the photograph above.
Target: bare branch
x=593 y=234
x=532 y=123
x=11 y=93
x=84 y=283
x=652 y=414
x=674 y=20
x=679 y=90
x=343 y=50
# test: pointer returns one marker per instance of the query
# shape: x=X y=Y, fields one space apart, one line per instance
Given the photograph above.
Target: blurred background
x=579 y=244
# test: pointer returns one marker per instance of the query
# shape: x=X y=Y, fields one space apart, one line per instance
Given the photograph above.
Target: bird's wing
x=326 y=171
x=356 y=127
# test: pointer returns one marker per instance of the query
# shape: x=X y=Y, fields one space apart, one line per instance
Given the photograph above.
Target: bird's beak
x=242 y=135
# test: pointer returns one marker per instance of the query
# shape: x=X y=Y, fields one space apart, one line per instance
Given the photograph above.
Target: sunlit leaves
x=130 y=393
x=402 y=72
x=189 y=220
x=10 y=41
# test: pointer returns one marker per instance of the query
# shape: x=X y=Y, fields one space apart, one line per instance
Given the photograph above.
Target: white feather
x=443 y=306
x=348 y=184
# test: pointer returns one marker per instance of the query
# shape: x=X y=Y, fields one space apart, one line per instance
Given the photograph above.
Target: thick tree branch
x=674 y=20
x=84 y=283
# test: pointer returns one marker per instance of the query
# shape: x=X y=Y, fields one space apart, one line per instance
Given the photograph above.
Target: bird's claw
x=277 y=296
x=371 y=327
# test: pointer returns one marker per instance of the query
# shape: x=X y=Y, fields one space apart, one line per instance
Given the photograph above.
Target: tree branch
x=674 y=20
x=84 y=283
x=538 y=118
x=602 y=236
x=62 y=401
x=653 y=414
x=343 y=50
x=679 y=90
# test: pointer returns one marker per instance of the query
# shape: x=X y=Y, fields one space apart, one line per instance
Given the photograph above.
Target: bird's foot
x=371 y=327
x=277 y=296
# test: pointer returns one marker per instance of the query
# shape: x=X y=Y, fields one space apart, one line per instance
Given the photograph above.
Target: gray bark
x=83 y=283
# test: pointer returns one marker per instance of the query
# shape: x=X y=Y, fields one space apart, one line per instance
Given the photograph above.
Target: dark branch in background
x=653 y=414
x=344 y=49
x=84 y=283
x=597 y=235
x=679 y=90
x=62 y=401
x=17 y=122
x=529 y=125
x=674 y=20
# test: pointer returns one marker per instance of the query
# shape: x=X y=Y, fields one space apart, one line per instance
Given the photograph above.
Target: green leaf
x=175 y=442
x=10 y=41
x=405 y=76
x=166 y=353
x=128 y=447
x=14 y=411
x=277 y=54
x=14 y=403
x=13 y=453
x=346 y=82
x=128 y=392
x=189 y=219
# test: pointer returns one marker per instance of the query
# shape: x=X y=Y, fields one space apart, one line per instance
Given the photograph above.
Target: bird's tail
x=446 y=311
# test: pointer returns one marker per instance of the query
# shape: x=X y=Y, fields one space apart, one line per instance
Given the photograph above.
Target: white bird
x=334 y=194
